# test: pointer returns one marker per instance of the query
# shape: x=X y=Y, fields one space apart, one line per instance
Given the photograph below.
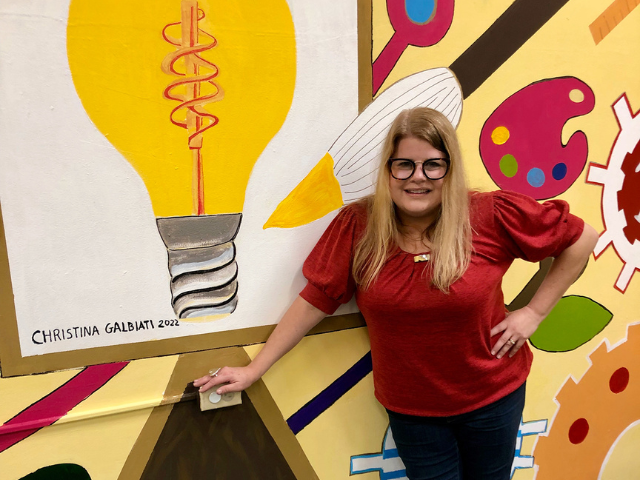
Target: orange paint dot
x=500 y=135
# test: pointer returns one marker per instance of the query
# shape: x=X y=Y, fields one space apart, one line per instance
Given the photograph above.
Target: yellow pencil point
x=315 y=196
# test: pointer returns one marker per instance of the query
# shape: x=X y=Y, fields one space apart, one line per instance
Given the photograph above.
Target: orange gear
x=593 y=413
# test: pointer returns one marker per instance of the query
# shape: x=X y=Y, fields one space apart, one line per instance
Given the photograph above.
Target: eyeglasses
x=404 y=168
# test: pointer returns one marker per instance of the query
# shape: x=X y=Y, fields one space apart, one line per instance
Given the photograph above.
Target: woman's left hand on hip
x=516 y=329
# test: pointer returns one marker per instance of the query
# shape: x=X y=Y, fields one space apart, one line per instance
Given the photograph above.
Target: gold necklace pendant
x=425 y=257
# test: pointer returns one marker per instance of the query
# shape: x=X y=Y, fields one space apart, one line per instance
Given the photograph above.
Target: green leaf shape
x=573 y=322
x=61 y=471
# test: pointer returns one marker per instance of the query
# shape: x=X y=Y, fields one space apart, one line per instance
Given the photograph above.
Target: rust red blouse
x=432 y=351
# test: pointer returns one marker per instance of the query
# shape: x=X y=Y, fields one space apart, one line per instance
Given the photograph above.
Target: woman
x=425 y=259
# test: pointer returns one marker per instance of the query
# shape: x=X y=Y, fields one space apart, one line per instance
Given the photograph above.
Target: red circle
x=578 y=431
x=619 y=380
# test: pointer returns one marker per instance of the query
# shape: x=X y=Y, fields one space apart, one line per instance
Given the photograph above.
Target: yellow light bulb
x=117 y=52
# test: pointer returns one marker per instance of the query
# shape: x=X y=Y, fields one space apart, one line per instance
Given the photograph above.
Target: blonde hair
x=450 y=234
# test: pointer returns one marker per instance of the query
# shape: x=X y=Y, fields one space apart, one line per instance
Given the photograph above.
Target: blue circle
x=559 y=171
x=419 y=11
x=535 y=177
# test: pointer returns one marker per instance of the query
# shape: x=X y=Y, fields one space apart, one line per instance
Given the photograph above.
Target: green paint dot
x=61 y=471
x=508 y=165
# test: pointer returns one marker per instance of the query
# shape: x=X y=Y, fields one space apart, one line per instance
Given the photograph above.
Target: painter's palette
x=521 y=142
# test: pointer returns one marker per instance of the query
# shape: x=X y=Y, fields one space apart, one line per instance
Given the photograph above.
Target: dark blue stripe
x=330 y=395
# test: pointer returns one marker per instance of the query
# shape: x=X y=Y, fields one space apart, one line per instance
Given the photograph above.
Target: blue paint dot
x=419 y=11
x=559 y=171
x=535 y=177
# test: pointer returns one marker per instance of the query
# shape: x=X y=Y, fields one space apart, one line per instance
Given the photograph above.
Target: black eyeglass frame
x=391 y=160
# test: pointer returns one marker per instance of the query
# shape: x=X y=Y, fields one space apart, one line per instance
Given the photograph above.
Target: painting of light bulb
x=155 y=138
x=348 y=171
x=202 y=262
x=187 y=93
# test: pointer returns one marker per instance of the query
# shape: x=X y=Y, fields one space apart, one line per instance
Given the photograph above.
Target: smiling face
x=417 y=199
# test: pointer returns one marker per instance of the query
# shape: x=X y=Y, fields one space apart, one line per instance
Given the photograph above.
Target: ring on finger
x=511 y=342
x=214 y=373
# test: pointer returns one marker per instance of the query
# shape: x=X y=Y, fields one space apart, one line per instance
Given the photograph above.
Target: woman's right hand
x=236 y=378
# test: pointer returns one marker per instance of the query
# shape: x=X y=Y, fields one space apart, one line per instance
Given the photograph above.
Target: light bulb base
x=202 y=264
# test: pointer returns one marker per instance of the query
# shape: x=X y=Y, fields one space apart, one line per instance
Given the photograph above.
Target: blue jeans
x=477 y=445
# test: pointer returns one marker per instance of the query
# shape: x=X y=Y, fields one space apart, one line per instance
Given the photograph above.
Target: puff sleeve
x=328 y=266
x=534 y=231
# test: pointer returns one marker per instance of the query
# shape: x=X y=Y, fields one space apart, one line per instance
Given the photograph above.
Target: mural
x=62 y=470
x=420 y=24
x=158 y=197
x=535 y=427
x=620 y=203
x=573 y=322
x=387 y=463
x=166 y=167
x=200 y=247
x=610 y=18
x=520 y=142
x=593 y=413
x=57 y=404
x=353 y=155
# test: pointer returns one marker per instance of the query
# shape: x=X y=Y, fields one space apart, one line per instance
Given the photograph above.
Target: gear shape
x=620 y=179
x=592 y=413
x=628 y=198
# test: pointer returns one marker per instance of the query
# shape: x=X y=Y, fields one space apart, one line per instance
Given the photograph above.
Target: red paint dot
x=619 y=380
x=578 y=431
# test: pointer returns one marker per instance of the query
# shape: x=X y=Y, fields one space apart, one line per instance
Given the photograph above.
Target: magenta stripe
x=57 y=404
